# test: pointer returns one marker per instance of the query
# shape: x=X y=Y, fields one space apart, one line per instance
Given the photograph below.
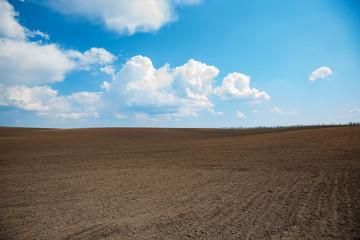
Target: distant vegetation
x=295 y=126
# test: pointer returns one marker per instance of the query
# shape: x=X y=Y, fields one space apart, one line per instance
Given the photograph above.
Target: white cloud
x=255 y=111
x=195 y=78
x=83 y=104
x=322 y=72
x=105 y=85
x=89 y=98
x=51 y=64
x=214 y=113
x=142 y=116
x=140 y=84
x=146 y=117
x=294 y=112
x=39 y=98
x=237 y=86
x=37 y=33
x=240 y=114
x=19 y=66
x=9 y=27
x=75 y=115
x=24 y=65
x=355 y=111
x=187 y=1
x=122 y=16
x=108 y=69
x=277 y=110
x=120 y=115
x=170 y=92
x=46 y=101
x=164 y=92
x=23 y=62
x=196 y=75
x=94 y=56
x=138 y=89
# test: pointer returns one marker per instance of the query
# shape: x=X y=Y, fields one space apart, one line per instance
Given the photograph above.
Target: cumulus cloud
x=51 y=64
x=46 y=101
x=140 y=84
x=277 y=110
x=25 y=68
x=240 y=114
x=109 y=69
x=164 y=92
x=9 y=26
x=195 y=78
x=19 y=66
x=322 y=72
x=196 y=75
x=137 y=89
x=167 y=93
x=89 y=98
x=94 y=56
x=255 y=111
x=105 y=85
x=122 y=16
x=39 y=98
x=173 y=92
x=237 y=86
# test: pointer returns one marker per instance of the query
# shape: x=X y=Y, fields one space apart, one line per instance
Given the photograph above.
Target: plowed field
x=123 y=183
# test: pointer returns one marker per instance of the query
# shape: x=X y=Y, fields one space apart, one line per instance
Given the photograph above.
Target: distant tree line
x=296 y=126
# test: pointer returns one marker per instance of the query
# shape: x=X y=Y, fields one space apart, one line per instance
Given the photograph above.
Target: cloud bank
x=27 y=68
x=173 y=92
x=122 y=16
x=137 y=90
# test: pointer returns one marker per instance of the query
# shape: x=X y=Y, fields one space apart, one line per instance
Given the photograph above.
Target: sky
x=179 y=63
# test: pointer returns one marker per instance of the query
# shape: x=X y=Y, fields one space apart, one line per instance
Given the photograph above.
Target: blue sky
x=179 y=63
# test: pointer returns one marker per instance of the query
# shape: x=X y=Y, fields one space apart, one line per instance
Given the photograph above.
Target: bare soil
x=119 y=183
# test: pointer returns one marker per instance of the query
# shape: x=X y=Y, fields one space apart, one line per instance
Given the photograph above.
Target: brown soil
x=118 y=183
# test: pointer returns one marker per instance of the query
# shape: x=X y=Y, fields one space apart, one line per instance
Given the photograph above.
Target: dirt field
x=286 y=183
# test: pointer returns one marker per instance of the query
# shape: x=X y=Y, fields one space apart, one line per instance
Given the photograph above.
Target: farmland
x=155 y=183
